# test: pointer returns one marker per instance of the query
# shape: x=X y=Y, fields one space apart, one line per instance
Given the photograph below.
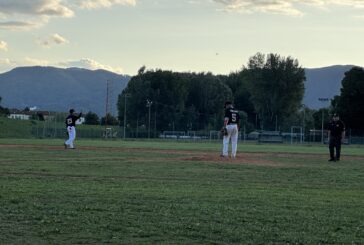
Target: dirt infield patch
x=241 y=158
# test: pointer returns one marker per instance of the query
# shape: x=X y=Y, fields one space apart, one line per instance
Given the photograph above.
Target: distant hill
x=323 y=83
x=56 y=89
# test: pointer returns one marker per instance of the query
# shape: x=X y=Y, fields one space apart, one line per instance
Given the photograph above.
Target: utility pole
x=149 y=105
x=322 y=123
x=106 y=104
x=303 y=122
x=126 y=95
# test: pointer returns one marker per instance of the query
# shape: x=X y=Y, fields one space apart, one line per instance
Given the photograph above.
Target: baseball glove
x=223 y=131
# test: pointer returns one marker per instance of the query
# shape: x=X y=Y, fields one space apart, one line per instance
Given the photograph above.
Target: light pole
x=323 y=100
x=126 y=95
x=303 y=122
x=149 y=105
x=276 y=123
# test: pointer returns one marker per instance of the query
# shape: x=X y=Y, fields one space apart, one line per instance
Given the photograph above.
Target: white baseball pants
x=232 y=131
x=71 y=136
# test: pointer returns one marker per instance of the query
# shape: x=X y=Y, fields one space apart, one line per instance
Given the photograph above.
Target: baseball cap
x=72 y=111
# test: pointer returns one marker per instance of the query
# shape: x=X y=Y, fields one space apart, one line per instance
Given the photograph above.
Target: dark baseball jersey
x=71 y=120
x=232 y=115
x=336 y=128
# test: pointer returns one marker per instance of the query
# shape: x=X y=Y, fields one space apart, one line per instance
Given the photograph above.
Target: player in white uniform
x=71 y=129
x=231 y=128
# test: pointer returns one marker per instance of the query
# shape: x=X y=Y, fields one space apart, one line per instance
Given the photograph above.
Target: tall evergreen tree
x=350 y=103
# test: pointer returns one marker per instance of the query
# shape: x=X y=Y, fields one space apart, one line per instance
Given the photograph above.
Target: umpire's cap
x=72 y=111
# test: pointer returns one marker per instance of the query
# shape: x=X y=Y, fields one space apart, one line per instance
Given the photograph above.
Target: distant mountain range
x=56 y=89
x=323 y=82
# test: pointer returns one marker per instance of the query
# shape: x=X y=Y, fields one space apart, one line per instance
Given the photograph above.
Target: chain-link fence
x=295 y=136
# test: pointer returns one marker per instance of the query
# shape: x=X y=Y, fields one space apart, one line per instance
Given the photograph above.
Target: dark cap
x=72 y=111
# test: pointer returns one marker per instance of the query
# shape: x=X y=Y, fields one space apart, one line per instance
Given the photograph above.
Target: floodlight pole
x=149 y=104
x=322 y=127
x=303 y=122
x=126 y=95
x=322 y=123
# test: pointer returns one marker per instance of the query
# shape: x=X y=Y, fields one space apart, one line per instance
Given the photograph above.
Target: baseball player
x=71 y=128
x=230 y=130
x=336 y=135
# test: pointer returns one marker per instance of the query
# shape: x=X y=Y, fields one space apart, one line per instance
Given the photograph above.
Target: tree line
x=268 y=92
x=3 y=110
x=271 y=87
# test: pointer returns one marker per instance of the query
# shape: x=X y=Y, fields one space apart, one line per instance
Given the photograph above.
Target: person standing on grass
x=71 y=128
x=336 y=136
x=230 y=129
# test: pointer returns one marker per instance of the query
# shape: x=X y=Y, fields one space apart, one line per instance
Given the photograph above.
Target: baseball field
x=168 y=192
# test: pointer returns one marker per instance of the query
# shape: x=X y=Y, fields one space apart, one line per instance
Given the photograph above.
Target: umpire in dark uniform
x=336 y=135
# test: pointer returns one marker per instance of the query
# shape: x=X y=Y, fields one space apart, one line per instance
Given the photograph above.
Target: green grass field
x=143 y=192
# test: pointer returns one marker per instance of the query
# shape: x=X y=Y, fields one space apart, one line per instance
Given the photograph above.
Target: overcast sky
x=180 y=35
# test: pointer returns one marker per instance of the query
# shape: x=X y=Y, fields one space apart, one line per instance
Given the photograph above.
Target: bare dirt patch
x=241 y=158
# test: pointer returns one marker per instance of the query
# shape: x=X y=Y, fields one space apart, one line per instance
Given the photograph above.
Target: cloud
x=35 y=7
x=91 y=65
x=17 y=25
x=30 y=14
x=284 y=7
x=34 y=62
x=3 y=45
x=86 y=63
x=53 y=39
x=20 y=14
x=7 y=62
x=59 y=39
x=263 y=6
x=94 y=4
x=359 y=17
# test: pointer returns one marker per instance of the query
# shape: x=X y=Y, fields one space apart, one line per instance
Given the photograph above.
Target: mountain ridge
x=58 y=89
x=324 y=82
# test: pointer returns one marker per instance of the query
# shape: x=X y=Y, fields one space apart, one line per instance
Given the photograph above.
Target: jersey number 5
x=233 y=117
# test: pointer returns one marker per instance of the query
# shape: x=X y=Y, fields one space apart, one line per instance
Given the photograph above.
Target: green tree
x=166 y=91
x=238 y=83
x=207 y=94
x=92 y=118
x=276 y=85
x=109 y=120
x=350 y=103
x=3 y=111
x=180 y=101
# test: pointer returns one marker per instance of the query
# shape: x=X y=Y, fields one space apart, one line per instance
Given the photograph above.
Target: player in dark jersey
x=336 y=135
x=71 y=128
x=231 y=126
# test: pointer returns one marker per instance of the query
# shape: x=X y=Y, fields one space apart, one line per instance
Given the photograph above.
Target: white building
x=21 y=115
